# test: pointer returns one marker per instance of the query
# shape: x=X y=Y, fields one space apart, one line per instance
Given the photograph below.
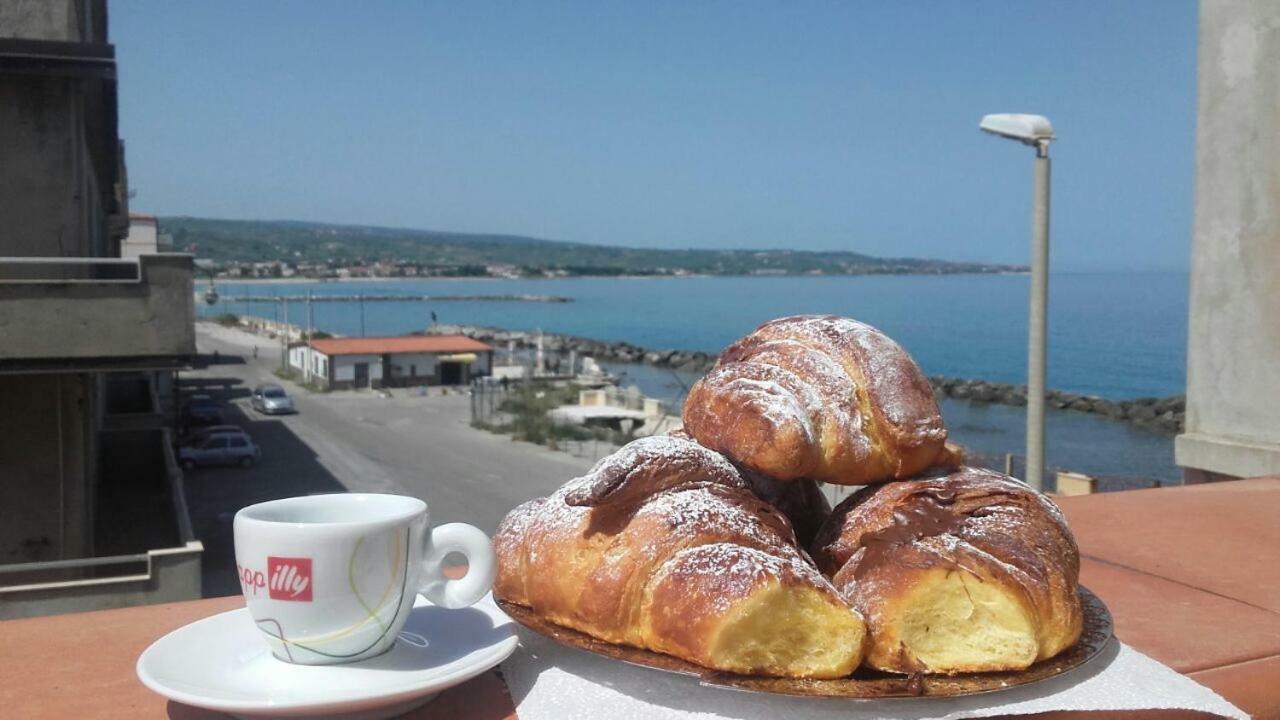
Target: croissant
x=820 y=397
x=964 y=572
x=801 y=501
x=662 y=546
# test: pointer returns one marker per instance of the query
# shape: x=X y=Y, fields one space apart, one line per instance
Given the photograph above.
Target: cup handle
x=472 y=543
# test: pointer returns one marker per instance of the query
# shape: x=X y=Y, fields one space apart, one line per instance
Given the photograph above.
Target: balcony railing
x=69 y=314
x=160 y=574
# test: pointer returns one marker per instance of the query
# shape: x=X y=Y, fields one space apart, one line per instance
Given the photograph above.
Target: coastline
x=1164 y=414
x=687 y=276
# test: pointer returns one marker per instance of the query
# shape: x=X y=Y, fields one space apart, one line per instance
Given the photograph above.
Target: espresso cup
x=332 y=578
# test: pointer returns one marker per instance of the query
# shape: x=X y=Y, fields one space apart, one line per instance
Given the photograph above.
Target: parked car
x=199 y=435
x=221 y=449
x=271 y=400
x=202 y=411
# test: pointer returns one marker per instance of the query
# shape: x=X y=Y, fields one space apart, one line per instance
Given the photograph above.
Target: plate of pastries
x=712 y=550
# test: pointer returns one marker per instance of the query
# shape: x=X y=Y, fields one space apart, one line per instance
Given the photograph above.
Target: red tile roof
x=399 y=344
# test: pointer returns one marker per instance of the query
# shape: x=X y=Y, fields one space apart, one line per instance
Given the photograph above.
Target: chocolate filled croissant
x=662 y=546
x=820 y=397
x=967 y=571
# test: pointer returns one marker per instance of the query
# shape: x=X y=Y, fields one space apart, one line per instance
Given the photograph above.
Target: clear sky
x=842 y=125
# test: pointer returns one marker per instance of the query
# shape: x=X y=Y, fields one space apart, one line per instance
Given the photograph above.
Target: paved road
x=356 y=441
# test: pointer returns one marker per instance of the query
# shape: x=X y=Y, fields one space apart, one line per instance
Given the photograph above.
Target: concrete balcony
x=147 y=551
x=85 y=314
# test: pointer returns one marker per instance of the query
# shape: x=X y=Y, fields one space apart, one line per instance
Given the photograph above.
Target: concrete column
x=1233 y=351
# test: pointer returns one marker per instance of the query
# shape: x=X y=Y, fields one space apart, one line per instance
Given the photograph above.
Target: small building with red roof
x=399 y=361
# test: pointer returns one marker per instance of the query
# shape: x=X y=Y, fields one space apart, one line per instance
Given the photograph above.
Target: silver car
x=220 y=449
x=271 y=400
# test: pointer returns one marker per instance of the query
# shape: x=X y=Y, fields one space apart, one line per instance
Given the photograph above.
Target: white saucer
x=221 y=663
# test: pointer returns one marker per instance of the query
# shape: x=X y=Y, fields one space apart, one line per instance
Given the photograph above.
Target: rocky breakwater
x=1160 y=414
x=1165 y=414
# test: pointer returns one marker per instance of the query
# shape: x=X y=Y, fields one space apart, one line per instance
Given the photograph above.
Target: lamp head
x=1033 y=130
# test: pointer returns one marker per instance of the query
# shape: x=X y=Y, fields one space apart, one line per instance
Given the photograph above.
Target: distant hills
x=337 y=247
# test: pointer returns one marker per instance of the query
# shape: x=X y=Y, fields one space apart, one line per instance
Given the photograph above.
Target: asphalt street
x=352 y=441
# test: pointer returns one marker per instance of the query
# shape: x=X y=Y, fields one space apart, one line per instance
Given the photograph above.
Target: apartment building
x=92 y=512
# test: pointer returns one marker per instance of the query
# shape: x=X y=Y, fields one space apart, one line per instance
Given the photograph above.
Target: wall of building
x=46 y=199
x=344 y=367
x=64 y=20
x=416 y=365
x=1233 y=353
x=143 y=239
x=48 y=447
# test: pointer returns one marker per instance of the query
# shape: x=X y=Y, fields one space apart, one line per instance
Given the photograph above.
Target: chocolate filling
x=926 y=513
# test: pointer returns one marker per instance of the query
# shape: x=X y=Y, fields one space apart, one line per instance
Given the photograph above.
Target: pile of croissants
x=714 y=544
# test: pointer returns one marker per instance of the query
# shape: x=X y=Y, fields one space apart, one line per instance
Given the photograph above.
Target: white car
x=228 y=449
x=271 y=400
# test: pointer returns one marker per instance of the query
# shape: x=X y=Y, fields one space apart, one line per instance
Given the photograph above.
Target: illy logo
x=289 y=578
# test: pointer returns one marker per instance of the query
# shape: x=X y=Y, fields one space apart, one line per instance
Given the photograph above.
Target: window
x=413 y=371
x=237 y=442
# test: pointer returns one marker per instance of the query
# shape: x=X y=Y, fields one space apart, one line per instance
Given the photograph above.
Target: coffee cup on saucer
x=332 y=578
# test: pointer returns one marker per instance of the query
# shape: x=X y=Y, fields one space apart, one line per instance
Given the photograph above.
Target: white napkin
x=552 y=682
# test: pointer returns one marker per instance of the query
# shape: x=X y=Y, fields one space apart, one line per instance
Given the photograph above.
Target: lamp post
x=1036 y=131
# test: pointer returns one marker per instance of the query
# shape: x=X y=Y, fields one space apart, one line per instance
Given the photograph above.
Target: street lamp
x=1036 y=131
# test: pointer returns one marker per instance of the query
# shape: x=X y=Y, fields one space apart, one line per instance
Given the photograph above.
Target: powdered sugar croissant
x=820 y=397
x=662 y=546
x=966 y=571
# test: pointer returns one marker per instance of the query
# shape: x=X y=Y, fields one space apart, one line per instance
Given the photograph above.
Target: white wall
x=344 y=367
x=401 y=363
x=302 y=357
x=143 y=239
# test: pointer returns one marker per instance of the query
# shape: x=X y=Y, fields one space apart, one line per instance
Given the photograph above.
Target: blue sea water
x=1118 y=335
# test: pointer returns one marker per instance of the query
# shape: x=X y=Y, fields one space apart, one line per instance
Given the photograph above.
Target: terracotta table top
x=1191 y=574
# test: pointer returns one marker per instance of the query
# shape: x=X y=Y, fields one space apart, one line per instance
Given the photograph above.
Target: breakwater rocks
x=1160 y=414
x=1165 y=414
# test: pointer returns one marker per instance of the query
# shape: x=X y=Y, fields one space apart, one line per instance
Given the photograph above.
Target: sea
x=1116 y=335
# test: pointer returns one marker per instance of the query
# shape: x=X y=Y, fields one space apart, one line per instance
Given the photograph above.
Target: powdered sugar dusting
x=637 y=454
x=733 y=571
x=704 y=511
x=897 y=385
x=775 y=403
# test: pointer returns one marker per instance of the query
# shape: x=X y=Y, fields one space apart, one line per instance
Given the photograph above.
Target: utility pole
x=361 y=296
x=284 y=336
x=306 y=365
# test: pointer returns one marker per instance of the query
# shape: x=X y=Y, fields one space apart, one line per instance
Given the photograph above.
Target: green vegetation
x=295 y=377
x=228 y=320
x=527 y=406
x=466 y=255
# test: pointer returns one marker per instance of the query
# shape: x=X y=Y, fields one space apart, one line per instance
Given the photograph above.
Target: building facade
x=144 y=237
x=1233 y=346
x=405 y=361
x=92 y=511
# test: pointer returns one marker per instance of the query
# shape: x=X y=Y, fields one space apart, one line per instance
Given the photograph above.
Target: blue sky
x=708 y=124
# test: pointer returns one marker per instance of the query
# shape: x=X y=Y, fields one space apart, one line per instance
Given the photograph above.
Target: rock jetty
x=1161 y=414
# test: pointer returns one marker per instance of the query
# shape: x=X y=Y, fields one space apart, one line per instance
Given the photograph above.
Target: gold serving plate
x=864 y=684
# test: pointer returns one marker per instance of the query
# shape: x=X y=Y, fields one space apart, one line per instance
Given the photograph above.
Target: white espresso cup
x=332 y=578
